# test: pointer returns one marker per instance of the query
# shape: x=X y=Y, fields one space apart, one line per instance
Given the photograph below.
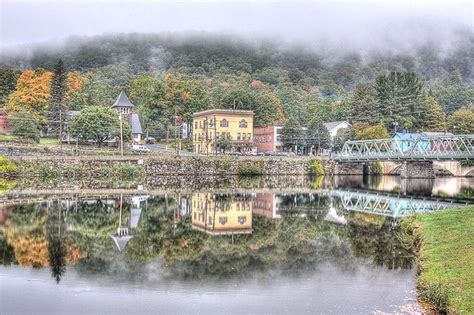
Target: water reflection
x=216 y=233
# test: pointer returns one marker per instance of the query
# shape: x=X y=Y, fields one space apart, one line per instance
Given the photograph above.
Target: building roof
x=224 y=111
x=436 y=134
x=121 y=241
x=136 y=125
x=333 y=124
x=406 y=135
x=122 y=101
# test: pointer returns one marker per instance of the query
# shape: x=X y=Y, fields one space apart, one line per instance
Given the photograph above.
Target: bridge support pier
x=356 y=168
x=417 y=169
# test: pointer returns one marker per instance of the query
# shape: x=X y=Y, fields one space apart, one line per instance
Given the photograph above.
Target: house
x=125 y=108
x=407 y=141
x=221 y=130
x=334 y=126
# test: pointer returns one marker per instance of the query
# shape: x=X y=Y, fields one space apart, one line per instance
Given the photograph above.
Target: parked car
x=150 y=140
x=137 y=148
x=235 y=153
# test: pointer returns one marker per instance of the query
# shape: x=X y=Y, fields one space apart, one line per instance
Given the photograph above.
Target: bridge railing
x=438 y=147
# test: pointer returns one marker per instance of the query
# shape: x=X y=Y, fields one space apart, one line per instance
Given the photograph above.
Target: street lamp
x=395 y=125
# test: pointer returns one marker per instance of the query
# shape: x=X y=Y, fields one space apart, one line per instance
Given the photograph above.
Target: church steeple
x=123 y=104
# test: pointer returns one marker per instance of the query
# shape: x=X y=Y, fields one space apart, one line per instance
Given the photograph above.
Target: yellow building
x=218 y=214
x=222 y=130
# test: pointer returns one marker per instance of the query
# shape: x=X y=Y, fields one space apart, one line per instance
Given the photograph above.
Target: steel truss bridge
x=390 y=205
x=457 y=147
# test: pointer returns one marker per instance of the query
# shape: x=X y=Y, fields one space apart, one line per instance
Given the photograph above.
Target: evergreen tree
x=399 y=98
x=433 y=117
x=8 y=80
x=57 y=104
x=292 y=135
x=317 y=136
x=363 y=105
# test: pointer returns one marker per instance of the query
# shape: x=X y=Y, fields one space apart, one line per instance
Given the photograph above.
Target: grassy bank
x=446 y=259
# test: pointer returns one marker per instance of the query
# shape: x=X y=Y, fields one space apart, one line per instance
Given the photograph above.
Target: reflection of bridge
x=389 y=204
x=458 y=147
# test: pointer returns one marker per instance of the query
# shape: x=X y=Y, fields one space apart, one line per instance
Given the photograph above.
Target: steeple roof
x=122 y=101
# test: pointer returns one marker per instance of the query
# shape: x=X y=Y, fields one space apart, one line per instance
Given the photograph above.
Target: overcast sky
x=357 y=22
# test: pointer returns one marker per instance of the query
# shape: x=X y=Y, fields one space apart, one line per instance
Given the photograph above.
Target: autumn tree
x=432 y=115
x=76 y=96
x=372 y=132
x=31 y=94
x=57 y=101
x=462 y=121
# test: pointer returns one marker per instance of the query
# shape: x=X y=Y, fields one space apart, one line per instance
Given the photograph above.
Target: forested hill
x=165 y=73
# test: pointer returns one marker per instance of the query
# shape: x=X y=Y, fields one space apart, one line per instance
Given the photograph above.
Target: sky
x=357 y=23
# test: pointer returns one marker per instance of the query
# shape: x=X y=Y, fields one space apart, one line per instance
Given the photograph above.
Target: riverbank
x=445 y=242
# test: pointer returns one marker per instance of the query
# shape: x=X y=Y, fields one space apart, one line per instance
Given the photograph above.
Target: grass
x=446 y=259
x=48 y=141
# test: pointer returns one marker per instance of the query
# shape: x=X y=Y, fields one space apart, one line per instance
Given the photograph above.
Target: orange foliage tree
x=32 y=94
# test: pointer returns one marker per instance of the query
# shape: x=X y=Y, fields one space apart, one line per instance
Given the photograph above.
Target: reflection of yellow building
x=221 y=214
x=222 y=129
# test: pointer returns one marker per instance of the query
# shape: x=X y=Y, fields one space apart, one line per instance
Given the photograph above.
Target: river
x=324 y=246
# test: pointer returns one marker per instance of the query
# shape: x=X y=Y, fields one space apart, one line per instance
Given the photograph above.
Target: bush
x=25 y=126
x=248 y=168
x=127 y=171
x=7 y=167
x=315 y=167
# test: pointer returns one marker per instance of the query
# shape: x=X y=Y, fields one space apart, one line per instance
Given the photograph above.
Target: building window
x=243 y=123
x=211 y=122
x=196 y=125
x=195 y=137
x=217 y=135
x=224 y=123
x=249 y=136
x=238 y=136
x=242 y=220
x=228 y=135
x=222 y=220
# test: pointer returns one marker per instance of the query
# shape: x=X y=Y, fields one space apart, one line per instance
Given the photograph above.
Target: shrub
x=127 y=171
x=248 y=168
x=6 y=166
x=315 y=167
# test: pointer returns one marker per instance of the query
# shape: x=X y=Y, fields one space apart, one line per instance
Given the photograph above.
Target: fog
x=357 y=25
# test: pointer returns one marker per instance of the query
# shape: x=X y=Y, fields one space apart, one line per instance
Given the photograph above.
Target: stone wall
x=417 y=169
x=172 y=166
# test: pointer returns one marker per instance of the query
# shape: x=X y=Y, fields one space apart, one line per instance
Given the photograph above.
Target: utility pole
x=215 y=134
x=121 y=135
x=60 y=128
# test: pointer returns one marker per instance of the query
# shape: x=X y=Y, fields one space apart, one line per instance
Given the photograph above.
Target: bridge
x=391 y=205
x=457 y=147
x=416 y=154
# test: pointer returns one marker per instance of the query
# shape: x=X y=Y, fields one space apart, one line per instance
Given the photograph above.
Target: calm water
x=310 y=246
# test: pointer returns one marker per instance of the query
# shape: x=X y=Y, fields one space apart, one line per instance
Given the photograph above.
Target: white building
x=334 y=126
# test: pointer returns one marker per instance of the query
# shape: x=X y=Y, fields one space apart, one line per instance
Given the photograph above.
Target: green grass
x=6 y=137
x=446 y=256
x=49 y=141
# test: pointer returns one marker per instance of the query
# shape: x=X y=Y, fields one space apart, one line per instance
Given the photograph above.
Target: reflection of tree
x=7 y=253
x=383 y=243
x=56 y=243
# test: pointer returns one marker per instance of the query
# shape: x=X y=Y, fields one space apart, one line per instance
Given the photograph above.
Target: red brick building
x=267 y=139
x=3 y=121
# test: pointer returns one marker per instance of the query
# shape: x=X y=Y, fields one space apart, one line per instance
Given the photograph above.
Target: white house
x=334 y=126
x=125 y=108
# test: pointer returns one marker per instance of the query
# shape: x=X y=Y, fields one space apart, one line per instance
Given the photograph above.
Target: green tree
x=372 y=132
x=399 y=98
x=317 y=136
x=292 y=134
x=432 y=115
x=363 y=105
x=8 y=78
x=148 y=94
x=462 y=121
x=343 y=135
x=57 y=103
x=96 y=123
x=24 y=125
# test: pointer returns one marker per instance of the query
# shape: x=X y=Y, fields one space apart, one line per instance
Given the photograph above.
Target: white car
x=140 y=148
